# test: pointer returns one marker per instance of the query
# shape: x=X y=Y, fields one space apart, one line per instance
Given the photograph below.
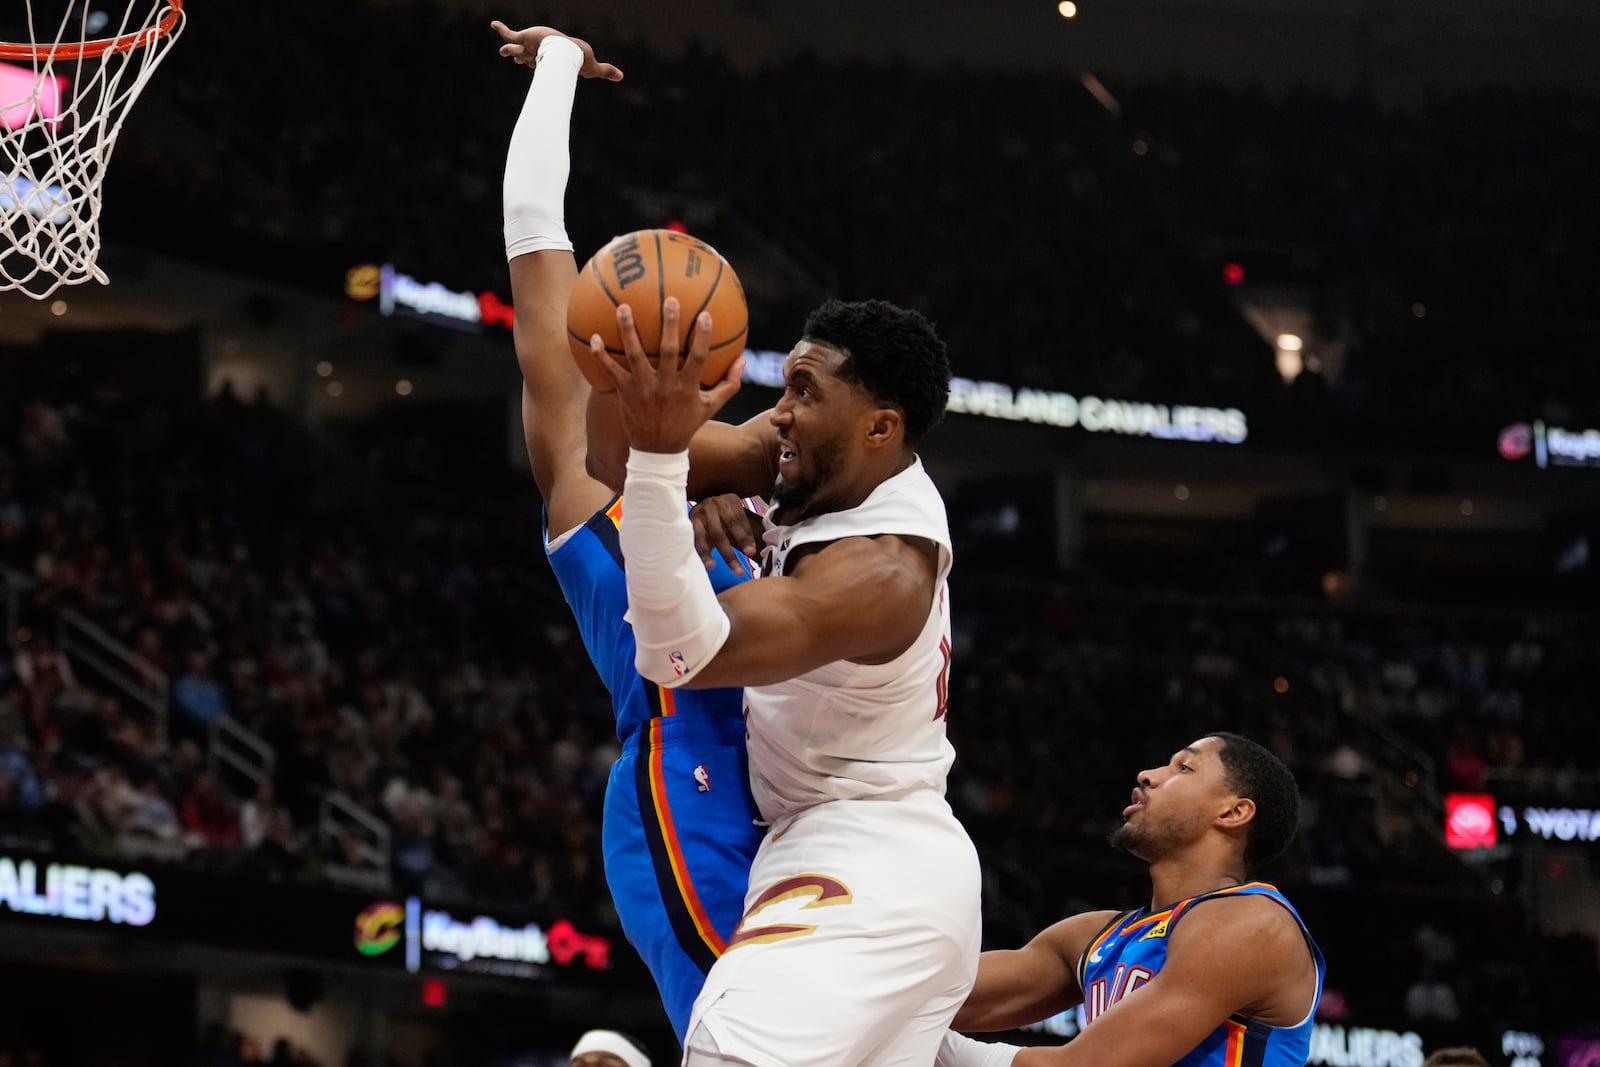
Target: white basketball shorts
x=859 y=941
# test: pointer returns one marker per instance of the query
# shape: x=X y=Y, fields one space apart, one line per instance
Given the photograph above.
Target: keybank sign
x=1550 y=446
x=437 y=938
x=68 y=891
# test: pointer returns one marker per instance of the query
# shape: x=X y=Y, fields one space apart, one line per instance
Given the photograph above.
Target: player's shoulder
x=1261 y=920
x=868 y=558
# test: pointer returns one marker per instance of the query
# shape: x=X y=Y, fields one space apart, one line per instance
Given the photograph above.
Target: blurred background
x=1279 y=411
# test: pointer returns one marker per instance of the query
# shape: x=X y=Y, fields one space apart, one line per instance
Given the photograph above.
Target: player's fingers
x=711 y=535
x=740 y=545
x=726 y=389
x=699 y=345
x=702 y=536
x=722 y=518
x=609 y=72
x=735 y=532
x=667 y=362
x=608 y=363
x=638 y=363
x=750 y=528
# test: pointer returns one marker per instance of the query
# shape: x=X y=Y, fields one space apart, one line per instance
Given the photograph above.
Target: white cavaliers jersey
x=850 y=731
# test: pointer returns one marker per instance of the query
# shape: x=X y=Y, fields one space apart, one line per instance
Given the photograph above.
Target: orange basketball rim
x=48 y=51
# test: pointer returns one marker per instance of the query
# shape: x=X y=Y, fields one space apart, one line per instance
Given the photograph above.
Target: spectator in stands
x=1431 y=999
x=197 y=694
x=256 y=814
x=207 y=817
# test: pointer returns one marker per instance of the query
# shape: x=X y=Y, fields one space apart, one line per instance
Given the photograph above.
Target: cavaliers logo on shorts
x=818 y=890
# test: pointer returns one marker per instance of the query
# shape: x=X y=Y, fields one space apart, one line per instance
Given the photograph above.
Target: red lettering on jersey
x=941 y=688
x=1103 y=994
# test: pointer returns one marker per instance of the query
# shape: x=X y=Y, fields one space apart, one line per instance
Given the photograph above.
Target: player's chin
x=792 y=495
x=1124 y=837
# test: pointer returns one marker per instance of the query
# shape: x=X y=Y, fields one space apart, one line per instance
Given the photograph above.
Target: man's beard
x=791 y=499
x=1124 y=838
x=1141 y=842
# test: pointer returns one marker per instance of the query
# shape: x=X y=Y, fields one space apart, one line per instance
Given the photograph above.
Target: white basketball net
x=61 y=108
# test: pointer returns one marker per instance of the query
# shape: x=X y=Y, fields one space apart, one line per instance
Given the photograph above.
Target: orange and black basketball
x=642 y=269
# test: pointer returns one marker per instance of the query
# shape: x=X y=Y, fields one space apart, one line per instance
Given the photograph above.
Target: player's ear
x=886 y=426
x=1239 y=813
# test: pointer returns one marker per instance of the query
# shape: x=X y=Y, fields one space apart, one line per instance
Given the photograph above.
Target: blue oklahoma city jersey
x=1132 y=949
x=589 y=567
x=679 y=830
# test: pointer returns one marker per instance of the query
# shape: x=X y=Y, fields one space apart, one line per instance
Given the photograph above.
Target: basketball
x=642 y=269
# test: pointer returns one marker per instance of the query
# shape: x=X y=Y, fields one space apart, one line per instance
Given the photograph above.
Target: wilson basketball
x=641 y=270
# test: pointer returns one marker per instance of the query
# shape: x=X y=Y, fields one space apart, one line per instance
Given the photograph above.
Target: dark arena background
x=1276 y=331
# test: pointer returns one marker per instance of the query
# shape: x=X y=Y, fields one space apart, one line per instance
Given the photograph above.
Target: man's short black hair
x=891 y=352
x=1455 y=1056
x=1254 y=772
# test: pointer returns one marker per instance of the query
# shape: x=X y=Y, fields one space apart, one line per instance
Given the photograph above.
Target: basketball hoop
x=63 y=98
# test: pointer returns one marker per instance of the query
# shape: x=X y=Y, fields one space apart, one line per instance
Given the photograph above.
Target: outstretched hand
x=662 y=404
x=724 y=526
x=522 y=46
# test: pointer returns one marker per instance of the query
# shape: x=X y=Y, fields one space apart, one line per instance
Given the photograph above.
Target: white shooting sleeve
x=678 y=626
x=958 y=1050
x=537 y=161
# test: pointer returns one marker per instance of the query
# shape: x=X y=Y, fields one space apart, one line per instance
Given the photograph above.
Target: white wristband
x=958 y=1050
x=678 y=626
x=536 y=161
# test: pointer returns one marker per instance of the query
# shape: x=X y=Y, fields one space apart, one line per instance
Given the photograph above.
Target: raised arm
x=543 y=271
x=1020 y=986
x=724 y=457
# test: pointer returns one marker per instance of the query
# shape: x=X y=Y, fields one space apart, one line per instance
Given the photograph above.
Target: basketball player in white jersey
x=861 y=931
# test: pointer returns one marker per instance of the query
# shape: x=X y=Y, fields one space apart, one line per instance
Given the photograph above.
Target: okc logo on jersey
x=1103 y=993
x=680 y=666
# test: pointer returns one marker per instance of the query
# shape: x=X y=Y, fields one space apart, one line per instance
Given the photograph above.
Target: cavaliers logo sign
x=779 y=906
x=378 y=928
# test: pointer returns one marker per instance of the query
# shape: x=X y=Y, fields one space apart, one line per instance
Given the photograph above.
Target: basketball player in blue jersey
x=1219 y=971
x=679 y=830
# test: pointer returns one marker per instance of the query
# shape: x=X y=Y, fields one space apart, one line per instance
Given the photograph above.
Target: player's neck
x=1181 y=877
x=850 y=496
x=876 y=473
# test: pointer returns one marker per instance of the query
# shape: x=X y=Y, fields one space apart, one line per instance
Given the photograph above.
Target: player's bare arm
x=542 y=271
x=1016 y=987
x=737 y=458
x=1244 y=955
x=862 y=599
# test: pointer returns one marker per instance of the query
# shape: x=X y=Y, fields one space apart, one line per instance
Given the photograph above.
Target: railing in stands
x=357 y=841
x=135 y=677
x=240 y=751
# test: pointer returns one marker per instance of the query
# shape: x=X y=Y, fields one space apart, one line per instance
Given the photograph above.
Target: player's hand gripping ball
x=641 y=270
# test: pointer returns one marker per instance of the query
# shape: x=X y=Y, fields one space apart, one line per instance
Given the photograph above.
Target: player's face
x=815 y=420
x=1172 y=806
x=598 y=1059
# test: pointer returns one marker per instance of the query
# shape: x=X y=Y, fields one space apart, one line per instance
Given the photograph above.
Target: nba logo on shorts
x=680 y=666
